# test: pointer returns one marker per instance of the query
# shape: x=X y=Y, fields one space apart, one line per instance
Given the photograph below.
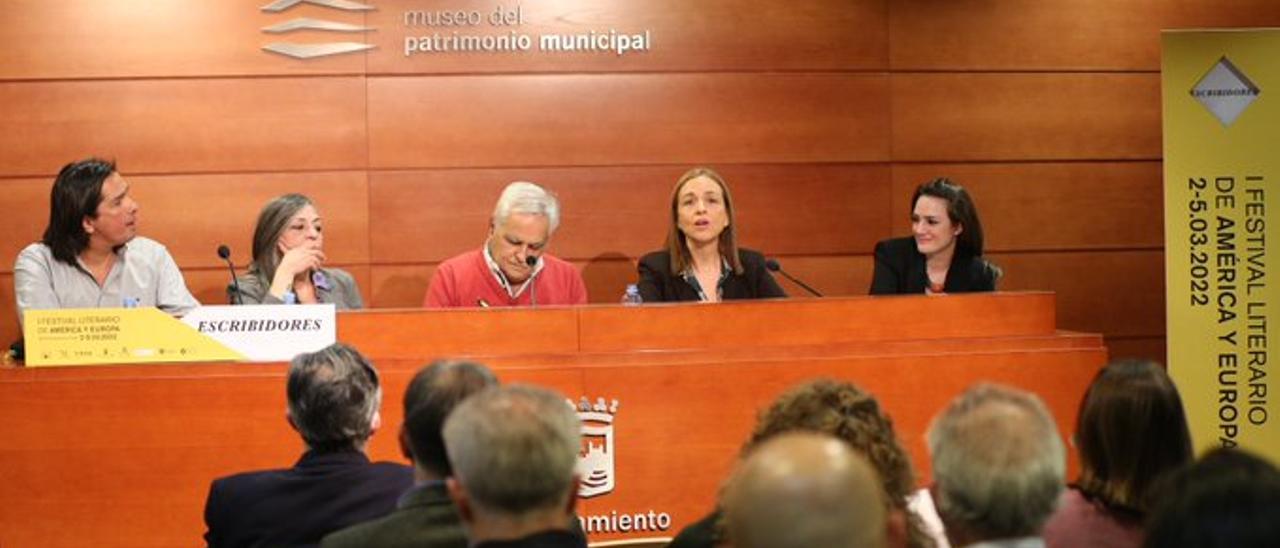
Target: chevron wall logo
x=313 y=50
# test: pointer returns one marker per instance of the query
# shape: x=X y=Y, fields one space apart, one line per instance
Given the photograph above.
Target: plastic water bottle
x=632 y=296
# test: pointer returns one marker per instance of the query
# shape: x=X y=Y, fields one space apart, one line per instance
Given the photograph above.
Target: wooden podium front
x=123 y=455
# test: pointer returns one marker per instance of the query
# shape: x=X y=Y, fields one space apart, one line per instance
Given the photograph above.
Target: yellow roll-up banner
x=1221 y=94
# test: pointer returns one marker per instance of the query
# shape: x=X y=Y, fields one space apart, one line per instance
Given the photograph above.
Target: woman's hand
x=296 y=261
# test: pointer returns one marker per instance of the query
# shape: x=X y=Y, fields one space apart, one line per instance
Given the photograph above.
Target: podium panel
x=124 y=455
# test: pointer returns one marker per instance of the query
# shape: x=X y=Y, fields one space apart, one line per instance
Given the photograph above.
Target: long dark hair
x=76 y=194
x=676 y=245
x=1131 y=430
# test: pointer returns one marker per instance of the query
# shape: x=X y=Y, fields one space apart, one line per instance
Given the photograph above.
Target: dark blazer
x=323 y=492
x=658 y=284
x=424 y=518
x=545 y=539
x=900 y=269
x=699 y=534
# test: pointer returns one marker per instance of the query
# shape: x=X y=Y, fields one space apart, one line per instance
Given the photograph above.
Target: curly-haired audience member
x=848 y=413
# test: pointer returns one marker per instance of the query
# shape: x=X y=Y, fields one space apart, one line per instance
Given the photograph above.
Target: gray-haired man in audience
x=513 y=451
x=424 y=516
x=802 y=490
x=998 y=467
x=334 y=398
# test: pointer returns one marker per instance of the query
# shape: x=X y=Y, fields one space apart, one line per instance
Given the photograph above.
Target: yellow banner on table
x=1221 y=94
x=115 y=336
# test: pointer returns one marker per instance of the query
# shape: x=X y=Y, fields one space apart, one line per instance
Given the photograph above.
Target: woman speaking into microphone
x=288 y=258
x=702 y=260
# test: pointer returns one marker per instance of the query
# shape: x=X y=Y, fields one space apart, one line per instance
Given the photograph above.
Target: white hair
x=998 y=461
x=525 y=197
x=514 y=449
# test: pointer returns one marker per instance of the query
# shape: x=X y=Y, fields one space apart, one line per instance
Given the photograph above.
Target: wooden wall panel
x=398 y=286
x=26 y=206
x=1152 y=348
x=1117 y=293
x=686 y=36
x=982 y=117
x=1048 y=206
x=1097 y=35
x=486 y=121
x=833 y=276
x=9 y=331
x=115 y=38
x=193 y=214
x=166 y=126
x=429 y=216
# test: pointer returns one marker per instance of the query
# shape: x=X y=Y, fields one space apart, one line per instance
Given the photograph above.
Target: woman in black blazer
x=944 y=254
x=702 y=261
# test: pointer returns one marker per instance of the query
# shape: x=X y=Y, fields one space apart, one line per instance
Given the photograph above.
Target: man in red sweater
x=512 y=269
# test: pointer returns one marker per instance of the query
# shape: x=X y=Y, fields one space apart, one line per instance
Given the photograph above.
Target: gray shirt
x=144 y=274
x=333 y=285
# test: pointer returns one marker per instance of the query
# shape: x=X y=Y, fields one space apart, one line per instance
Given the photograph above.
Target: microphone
x=773 y=266
x=225 y=253
x=533 y=287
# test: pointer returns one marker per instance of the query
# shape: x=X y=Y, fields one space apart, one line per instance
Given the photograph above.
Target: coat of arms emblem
x=595 y=461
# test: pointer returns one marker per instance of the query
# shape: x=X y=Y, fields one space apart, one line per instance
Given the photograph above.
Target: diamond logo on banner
x=1225 y=91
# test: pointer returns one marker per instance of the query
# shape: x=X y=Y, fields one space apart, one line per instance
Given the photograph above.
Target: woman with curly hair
x=846 y=412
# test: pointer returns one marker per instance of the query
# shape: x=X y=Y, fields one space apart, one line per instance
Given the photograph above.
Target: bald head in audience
x=998 y=465
x=804 y=490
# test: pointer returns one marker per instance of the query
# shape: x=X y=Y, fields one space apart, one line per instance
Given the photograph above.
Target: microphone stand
x=774 y=266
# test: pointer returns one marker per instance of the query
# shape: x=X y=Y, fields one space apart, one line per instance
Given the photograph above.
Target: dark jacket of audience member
x=1131 y=430
x=333 y=400
x=425 y=516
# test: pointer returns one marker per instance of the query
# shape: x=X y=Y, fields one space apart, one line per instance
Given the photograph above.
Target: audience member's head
x=998 y=464
x=1229 y=498
x=850 y=414
x=334 y=398
x=514 y=450
x=1130 y=431
x=802 y=490
x=432 y=394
